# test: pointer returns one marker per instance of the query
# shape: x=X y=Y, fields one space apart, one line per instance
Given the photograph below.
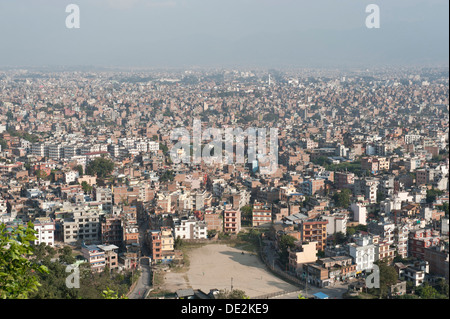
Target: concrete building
x=111 y=256
x=213 y=219
x=95 y=257
x=303 y=253
x=112 y=230
x=190 y=228
x=262 y=215
x=231 y=220
x=45 y=228
x=314 y=230
x=81 y=224
x=363 y=253
x=359 y=213
x=337 y=222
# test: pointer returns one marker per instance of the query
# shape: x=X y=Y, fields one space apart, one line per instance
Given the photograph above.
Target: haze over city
x=215 y=33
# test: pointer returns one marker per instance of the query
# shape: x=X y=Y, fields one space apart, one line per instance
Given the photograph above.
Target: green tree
x=79 y=168
x=388 y=277
x=86 y=187
x=339 y=238
x=111 y=294
x=427 y=292
x=18 y=272
x=444 y=207
x=246 y=214
x=432 y=194
x=442 y=287
x=286 y=242
x=178 y=243
x=100 y=166
x=212 y=233
x=350 y=231
x=322 y=161
x=3 y=144
x=342 y=198
x=233 y=294
x=66 y=255
x=168 y=175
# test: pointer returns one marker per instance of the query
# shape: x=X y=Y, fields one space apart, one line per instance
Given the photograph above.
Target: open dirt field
x=220 y=266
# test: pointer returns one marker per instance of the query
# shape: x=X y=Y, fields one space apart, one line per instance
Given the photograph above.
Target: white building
x=83 y=224
x=363 y=253
x=190 y=228
x=55 y=151
x=45 y=228
x=71 y=176
x=444 y=226
x=153 y=146
x=336 y=223
x=359 y=213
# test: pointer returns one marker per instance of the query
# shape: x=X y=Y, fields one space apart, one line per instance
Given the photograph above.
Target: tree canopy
x=100 y=166
x=18 y=272
x=342 y=198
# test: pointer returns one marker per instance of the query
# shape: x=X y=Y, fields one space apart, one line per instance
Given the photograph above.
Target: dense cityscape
x=360 y=190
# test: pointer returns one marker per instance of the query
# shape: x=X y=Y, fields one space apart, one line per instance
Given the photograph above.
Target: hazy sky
x=222 y=33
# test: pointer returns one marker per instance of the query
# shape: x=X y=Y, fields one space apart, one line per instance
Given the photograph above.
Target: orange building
x=314 y=230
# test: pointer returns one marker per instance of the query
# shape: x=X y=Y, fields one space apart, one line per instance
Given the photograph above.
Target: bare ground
x=218 y=266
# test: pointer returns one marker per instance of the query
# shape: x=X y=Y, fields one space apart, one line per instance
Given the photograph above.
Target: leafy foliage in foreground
x=18 y=272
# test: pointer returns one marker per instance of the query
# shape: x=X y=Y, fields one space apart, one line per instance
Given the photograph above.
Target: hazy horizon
x=224 y=33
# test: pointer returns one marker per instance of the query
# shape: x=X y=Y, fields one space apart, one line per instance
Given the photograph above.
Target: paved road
x=142 y=285
x=144 y=282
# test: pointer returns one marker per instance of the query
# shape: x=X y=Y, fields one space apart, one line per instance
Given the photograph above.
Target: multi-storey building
x=337 y=223
x=153 y=146
x=363 y=253
x=45 y=231
x=154 y=243
x=419 y=240
x=112 y=230
x=438 y=259
x=130 y=232
x=111 y=257
x=95 y=257
x=313 y=186
x=359 y=213
x=190 y=228
x=262 y=215
x=314 y=230
x=343 y=179
x=383 y=250
x=104 y=195
x=231 y=220
x=301 y=254
x=401 y=233
x=38 y=149
x=161 y=243
x=125 y=194
x=385 y=230
x=81 y=223
x=213 y=219
x=55 y=151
